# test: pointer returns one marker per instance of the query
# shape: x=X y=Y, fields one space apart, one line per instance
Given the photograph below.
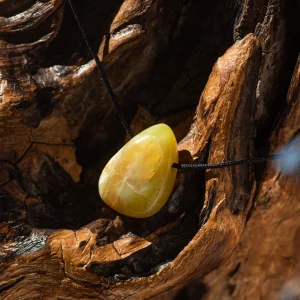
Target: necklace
x=138 y=180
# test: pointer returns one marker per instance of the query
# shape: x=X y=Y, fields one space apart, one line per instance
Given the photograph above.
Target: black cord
x=226 y=163
x=101 y=70
x=129 y=131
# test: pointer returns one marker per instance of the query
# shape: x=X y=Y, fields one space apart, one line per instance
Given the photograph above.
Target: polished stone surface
x=138 y=180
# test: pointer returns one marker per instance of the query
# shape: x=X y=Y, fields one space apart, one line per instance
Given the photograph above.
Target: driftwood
x=226 y=233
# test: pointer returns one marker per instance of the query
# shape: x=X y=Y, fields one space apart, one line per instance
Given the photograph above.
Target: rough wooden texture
x=58 y=240
x=266 y=268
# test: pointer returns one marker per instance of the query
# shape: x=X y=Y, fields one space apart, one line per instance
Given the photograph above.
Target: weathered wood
x=58 y=240
x=266 y=261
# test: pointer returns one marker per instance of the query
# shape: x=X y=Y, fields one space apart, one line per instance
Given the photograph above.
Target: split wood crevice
x=58 y=129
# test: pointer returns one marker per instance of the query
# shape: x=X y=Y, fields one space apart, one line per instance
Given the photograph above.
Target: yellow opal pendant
x=139 y=178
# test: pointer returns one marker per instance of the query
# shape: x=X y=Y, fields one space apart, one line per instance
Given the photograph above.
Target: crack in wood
x=8 y=285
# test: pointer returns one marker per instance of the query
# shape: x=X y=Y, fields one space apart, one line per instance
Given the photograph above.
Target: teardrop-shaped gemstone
x=138 y=180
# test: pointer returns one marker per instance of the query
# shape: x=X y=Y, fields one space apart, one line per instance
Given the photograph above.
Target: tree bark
x=224 y=75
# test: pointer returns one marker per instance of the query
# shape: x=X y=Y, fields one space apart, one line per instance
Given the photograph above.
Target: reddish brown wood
x=218 y=74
